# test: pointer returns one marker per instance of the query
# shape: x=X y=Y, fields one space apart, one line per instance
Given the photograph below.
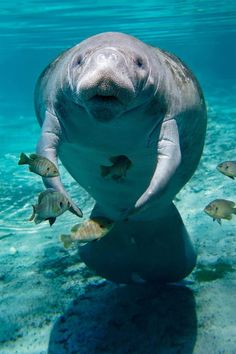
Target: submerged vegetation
x=206 y=273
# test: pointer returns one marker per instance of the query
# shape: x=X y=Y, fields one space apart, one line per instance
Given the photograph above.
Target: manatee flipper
x=169 y=159
x=47 y=147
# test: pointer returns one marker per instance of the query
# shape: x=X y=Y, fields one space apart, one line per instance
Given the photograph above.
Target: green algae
x=207 y=273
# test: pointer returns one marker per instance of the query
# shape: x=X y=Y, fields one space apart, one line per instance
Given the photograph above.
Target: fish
x=39 y=165
x=118 y=169
x=228 y=168
x=220 y=209
x=51 y=204
x=91 y=230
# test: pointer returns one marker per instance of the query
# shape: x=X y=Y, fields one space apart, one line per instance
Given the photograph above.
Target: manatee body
x=114 y=98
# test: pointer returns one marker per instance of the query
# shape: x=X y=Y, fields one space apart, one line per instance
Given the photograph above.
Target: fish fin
x=44 y=193
x=121 y=159
x=33 y=156
x=33 y=213
x=118 y=177
x=115 y=159
x=75 y=228
x=219 y=221
x=51 y=221
x=232 y=204
x=228 y=217
x=96 y=239
x=105 y=170
x=24 y=159
x=66 y=240
x=37 y=220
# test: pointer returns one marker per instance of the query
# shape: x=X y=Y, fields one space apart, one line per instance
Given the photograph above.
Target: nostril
x=106 y=57
x=113 y=57
x=101 y=58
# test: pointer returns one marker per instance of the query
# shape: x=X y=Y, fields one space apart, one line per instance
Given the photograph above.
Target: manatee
x=115 y=101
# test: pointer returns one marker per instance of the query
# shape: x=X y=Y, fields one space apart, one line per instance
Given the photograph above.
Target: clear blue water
x=38 y=279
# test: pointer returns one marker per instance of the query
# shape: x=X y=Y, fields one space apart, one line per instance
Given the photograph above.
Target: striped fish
x=51 y=204
x=39 y=165
x=92 y=229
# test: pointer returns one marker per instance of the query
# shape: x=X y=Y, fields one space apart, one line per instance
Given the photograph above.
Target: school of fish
x=51 y=203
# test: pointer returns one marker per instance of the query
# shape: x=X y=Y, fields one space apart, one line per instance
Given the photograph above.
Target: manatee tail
x=234 y=211
x=24 y=159
x=66 y=240
x=105 y=170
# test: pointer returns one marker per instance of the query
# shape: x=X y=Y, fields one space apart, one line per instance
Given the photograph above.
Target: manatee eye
x=139 y=62
x=78 y=60
x=48 y=169
x=61 y=205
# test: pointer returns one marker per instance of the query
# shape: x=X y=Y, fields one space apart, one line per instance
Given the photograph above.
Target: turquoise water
x=39 y=280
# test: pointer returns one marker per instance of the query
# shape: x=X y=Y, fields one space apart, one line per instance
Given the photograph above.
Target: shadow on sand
x=137 y=319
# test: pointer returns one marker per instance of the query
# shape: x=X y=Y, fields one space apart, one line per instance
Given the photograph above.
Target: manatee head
x=109 y=74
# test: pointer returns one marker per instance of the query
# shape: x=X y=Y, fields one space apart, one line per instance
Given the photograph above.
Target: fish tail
x=66 y=240
x=33 y=213
x=24 y=159
x=105 y=170
x=51 y=221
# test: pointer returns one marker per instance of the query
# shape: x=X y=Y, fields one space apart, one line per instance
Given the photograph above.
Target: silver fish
x=220 y=209
x=228 y=168
x=51 y=204
x=39 y=165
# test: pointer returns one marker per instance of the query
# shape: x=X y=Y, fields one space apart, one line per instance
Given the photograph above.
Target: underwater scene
x=51 y=300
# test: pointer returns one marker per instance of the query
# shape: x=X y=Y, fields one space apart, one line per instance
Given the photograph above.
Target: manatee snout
x=104 y=87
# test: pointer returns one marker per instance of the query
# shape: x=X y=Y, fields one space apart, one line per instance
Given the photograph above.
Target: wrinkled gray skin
x=114 y=95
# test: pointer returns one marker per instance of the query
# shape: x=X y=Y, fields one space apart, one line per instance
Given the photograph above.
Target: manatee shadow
x=137 y=319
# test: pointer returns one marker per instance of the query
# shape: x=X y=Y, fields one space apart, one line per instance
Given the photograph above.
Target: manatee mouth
x=104 y=99
x=106 y=91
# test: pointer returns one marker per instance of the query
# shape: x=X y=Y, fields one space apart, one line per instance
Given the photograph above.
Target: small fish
x=92 y=229
x=228 y=168
x=51 y=204
x=120 y=165
x=39 y=165
x=220 y=209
